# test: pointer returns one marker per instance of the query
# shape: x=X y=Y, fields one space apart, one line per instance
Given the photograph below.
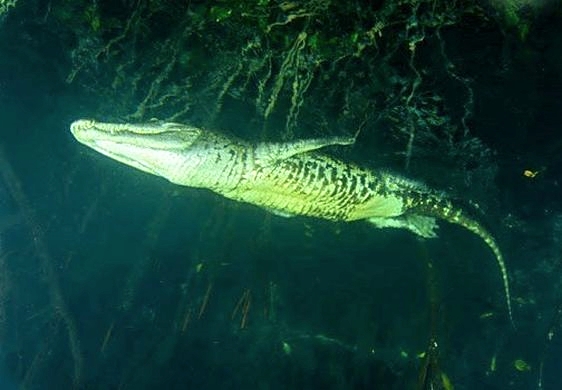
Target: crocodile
x=286 y=178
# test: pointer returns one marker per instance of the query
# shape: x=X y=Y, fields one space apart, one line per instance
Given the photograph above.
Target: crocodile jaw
x=157 y=148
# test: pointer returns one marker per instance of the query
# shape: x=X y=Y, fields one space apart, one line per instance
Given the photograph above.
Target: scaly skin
x=286 y=178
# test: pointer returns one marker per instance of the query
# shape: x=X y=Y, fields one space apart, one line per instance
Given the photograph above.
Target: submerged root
x=47 y=264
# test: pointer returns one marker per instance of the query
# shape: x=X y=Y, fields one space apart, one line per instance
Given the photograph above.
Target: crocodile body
x=289 y=178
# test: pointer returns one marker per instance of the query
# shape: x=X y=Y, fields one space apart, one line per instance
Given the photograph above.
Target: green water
x=114 y=279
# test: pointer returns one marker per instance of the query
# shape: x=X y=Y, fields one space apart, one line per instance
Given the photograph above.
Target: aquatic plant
x=5 y=6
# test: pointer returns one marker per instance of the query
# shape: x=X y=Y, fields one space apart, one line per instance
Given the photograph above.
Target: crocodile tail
x=442 y=207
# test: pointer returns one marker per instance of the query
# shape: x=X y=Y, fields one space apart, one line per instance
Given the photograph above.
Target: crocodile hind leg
x=421 y=225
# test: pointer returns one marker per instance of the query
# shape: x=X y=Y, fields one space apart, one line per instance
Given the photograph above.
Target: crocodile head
x=154 y=147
